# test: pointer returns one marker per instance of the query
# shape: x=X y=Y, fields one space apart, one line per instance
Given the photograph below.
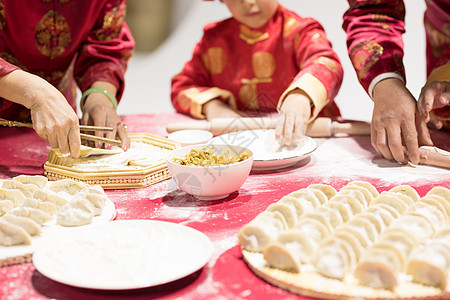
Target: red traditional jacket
x=64 y=41
x=254 y=69
x=374 y=40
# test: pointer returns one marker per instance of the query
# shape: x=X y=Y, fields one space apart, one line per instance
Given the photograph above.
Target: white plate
x=8 y=252
x=121 y=255
x=267 y=152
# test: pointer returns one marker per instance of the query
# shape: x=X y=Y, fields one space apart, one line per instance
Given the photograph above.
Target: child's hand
x=218 y=109
x=293 y=117
x=433 y=95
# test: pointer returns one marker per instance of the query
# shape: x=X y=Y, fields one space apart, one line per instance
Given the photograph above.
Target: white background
x=147 y=88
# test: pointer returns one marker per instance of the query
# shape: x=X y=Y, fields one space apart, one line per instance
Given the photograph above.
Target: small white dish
x=190 y=137
x=122 y=255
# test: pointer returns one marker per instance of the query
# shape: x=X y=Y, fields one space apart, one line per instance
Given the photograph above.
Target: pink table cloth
x=336 y=161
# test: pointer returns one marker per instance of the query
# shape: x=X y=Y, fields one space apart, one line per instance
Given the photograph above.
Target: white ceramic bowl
x=190 y=137
x=211 y=182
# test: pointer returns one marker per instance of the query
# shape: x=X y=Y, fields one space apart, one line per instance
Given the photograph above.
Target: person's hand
x=99 y=111
x=394 y=124
x=53 y=118
x=218 y=109
x=293 y=117
x=433 y=95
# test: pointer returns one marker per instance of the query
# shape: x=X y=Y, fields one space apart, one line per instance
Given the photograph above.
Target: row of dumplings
x=403 y=246
x=316 y=210
x=29 y=202
x=357 y=232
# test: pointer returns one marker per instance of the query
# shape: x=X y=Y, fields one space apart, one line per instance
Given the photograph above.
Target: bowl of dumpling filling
x=210 y=172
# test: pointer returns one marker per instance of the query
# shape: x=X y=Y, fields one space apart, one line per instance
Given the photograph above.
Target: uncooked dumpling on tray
x=376 y=244
x=429 y=264
x=139 y=155
x=266 y=227
x=29 y=202
x=10 y=234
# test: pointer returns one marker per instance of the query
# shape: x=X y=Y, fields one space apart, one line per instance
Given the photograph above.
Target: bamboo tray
x=312 y=284
x=59 y=167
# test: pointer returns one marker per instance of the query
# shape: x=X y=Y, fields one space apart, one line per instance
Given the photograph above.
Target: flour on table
x=346 y=159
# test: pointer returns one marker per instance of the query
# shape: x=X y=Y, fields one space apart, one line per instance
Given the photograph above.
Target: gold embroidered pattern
x=2 y=16
x=112 y=24
x=296 y=39
x=214 y=60
x=327 y=62
x=384 y=26
x=249 y=96
x=184 y=98
x=251 y=36
x=439 y=41
x=316 y=36
x=54 y=77
x=289 y=26
x=52 y=34
x=379 y=17
x=263 y=64
x=13 y=60
x=364 y=56
x=362 y=3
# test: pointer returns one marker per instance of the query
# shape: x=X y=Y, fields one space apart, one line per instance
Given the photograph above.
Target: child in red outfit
x=263 y=59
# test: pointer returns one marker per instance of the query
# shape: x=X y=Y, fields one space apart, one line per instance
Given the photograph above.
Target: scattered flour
x=346 y=158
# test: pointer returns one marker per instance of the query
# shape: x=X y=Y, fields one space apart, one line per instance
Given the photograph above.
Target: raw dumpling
x=6 y=206
x=391 y=200
x=334 y=257
x=379 y=267
x=76 y=212
x=11 y=234
x=432 y=213
x=28 y=224
x=49 y=196
x=288 y=213
x=47 y=207
x=36 y=214
x=307 y=194
x=328 y=190
x=300 y=205
x=257 y=234
x=26 y=189
x=406 y=190
x=295 y=248
x=68 y=186
x=430 y=265
x=15 y=196
x=96 y=195
x=37 y=180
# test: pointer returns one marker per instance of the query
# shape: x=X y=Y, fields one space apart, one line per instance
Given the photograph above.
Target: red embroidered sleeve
x=374 y=37
x=107 y=50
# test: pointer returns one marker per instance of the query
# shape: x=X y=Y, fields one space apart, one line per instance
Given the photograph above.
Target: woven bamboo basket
x=59 y=167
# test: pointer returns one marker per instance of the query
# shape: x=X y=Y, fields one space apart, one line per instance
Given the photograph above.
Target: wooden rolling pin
x=321 y=127
x=434 y=157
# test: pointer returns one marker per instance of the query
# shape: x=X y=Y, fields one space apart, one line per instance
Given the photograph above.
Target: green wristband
x=87 y=92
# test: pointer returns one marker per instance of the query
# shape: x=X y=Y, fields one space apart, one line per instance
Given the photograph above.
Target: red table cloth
x=336 y=161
